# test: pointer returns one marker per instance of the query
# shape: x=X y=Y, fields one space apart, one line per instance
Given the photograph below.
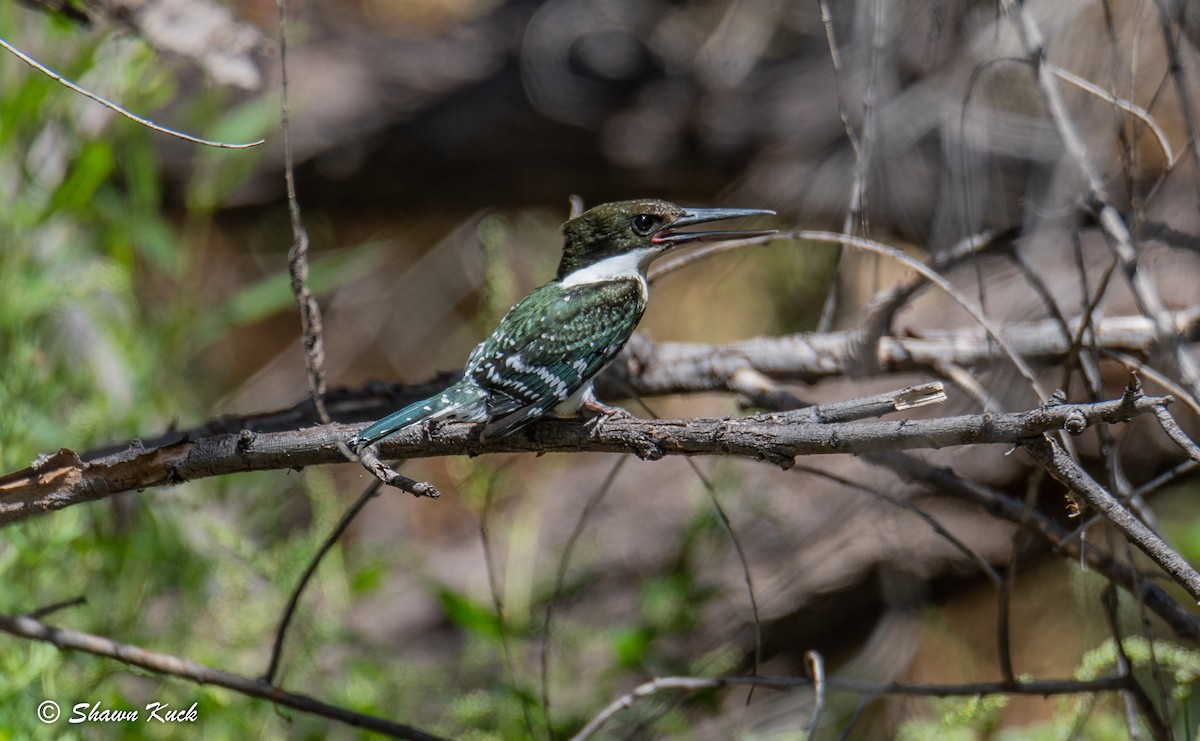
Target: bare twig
x=1133 y=108
x=1047 y=452
x=1176 y=433
x=856 y=213
x=498 y=603
x=114 y=107
x=1112 y=225
x=560 y=575
x=42 y=612
x=64 y=479
x=1178 y=76
x=1135 y=697
x=369 y=459
x=651 y=369
x=913 y=397
x=310 y=310
x=816 y=667
x=944 y=481
x=695 y=684
x=368 y=494
x=972 y=555
x=898 y=256
x=175 y=666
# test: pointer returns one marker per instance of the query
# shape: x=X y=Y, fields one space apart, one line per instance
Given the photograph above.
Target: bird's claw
x=598 y=413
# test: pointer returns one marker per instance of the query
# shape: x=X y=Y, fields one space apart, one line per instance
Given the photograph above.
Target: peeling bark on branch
x=65 y=478
x=680 y=367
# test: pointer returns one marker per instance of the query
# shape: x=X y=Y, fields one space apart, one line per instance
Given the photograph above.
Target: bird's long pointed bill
x=672 y=237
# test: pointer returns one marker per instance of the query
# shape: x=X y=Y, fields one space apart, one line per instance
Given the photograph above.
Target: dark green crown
x=646 y=225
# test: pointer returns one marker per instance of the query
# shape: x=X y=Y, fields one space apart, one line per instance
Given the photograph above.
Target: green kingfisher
x=548 y=348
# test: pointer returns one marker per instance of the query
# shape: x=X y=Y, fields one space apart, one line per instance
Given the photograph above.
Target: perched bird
x=547 y=349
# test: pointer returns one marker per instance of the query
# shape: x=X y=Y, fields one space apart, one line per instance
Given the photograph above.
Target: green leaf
x=470 y=615
x=631 y=644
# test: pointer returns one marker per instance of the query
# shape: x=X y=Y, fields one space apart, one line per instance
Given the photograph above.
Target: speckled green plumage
x=548 y=348
x=550 y=344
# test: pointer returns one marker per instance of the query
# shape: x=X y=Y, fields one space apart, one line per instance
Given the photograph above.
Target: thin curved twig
x=969 y=689
x=1128 y=106
x=368 y=494
x=117 y=108
x=560 y=575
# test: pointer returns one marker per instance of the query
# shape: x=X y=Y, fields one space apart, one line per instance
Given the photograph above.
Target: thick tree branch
x=64 y=478
x=650 y=369
x=680 y=367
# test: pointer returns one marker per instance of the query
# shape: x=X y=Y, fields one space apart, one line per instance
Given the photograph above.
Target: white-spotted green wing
x=551 y=344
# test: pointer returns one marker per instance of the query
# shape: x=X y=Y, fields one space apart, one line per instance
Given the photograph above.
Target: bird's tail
x=462 y=401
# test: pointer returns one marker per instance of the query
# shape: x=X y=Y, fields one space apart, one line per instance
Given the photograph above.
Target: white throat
x=626 y=266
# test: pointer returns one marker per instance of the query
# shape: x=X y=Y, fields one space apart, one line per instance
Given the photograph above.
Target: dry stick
x=1185 y=624
x=1112 y=225
x=743 y=561
x=560 y=576
x=874 y=689
x=892 y=253
x=385 y=473
x=1133 y=108
x=739 y=549
x=913 y=397
x=42 y=612
x=1138 y=366
x=114 y=107
x=972 y=555
x=63 y=479
x=310 y=310
x=498 y=603
x=659 y=368
x=816 y=666
x=682 y=367
x=1067 y=472
x=368 y=494
x=174 y=666
x=1176 y=433
x=935 y=278
x=1137 y=494
x=1180 y=81
x=1135 y=695
x=862 y=151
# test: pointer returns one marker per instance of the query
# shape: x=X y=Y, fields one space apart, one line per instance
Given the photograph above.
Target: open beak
x=673 y=238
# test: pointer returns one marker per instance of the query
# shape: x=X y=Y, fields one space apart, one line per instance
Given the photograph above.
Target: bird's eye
x=644 y=223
